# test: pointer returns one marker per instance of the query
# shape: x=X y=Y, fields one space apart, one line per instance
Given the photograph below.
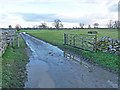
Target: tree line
x=59 y=25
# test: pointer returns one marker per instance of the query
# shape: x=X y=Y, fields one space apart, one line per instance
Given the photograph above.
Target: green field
x=14 y=61
x=55 y=37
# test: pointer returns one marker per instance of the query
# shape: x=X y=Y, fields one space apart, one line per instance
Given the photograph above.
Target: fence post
x=10 y=40
x=95 y=44
x=70 y=39
x=82 y=41
x=74 y=40
x=65 y=39
x=18 y=44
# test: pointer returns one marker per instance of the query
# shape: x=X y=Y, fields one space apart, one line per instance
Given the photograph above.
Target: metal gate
x=81 y=41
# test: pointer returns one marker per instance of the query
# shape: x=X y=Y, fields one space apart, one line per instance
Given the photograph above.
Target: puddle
x=37 y=71
x=38 y=76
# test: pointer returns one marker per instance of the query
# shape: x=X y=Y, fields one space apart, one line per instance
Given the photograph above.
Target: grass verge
x=13 y=66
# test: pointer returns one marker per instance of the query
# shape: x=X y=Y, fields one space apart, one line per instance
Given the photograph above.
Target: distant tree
x=96 y=25
x=81 y=25
x=61 y=25
x=110 y=24
x=44 y=25
x=39 y=26
x=89 y=26
x=119 y=23
x=36 y=26
x=113 y=24
x=58 y=24
x=10 y=27
x=116 y=24
x=18 y=27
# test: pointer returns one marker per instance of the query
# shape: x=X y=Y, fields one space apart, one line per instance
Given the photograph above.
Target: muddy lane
x=50 y=67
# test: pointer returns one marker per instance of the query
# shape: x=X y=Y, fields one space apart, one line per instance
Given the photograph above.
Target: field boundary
x=90 y=42
x=6 y=38
x=81 y=41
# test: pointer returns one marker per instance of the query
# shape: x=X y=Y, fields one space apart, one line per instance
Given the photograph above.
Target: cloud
x=70 y=19
x=113 y=8
x=9 y=17
x=71 y=11
x=89 y=1
x=41 y=1
x=37 y=17
x=26 y=18
x=119 y=7
x=50 y=17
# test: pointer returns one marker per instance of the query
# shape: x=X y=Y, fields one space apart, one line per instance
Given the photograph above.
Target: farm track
x=49 y=68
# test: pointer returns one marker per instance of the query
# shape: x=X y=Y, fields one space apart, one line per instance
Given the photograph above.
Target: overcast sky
x=71 y=12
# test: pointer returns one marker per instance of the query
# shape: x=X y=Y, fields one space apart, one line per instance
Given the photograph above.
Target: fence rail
x=82 y=41
x=6 y=37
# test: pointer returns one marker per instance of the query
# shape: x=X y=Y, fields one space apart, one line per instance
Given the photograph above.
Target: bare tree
x=10 y=27
x=39 y=26
x=61 y=25
x=89 y=26
x=96 y=25
x=110 y=24
x=116 y=24
x=44 y=25
x=113 y=24
x=18 y=27
x=81 y=25
x=58 y=24
x=119 y=24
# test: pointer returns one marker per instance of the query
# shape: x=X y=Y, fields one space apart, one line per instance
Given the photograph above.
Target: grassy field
x=55 y=37
x=13 y=66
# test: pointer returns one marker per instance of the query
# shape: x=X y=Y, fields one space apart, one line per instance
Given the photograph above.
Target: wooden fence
x=7 y=37
x=81 y=41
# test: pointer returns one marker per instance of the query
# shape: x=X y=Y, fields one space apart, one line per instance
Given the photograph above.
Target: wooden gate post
x=67 y=39
x=64 y=39
x=95 y=44
x=74 y=40
x=18 y=44
x=10 y=41
x=82 y=41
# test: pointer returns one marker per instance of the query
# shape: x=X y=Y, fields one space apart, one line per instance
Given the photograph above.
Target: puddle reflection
x=77 y=58
x=72 y=56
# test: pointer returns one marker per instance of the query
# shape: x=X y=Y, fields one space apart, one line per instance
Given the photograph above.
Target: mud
x=50 y=67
